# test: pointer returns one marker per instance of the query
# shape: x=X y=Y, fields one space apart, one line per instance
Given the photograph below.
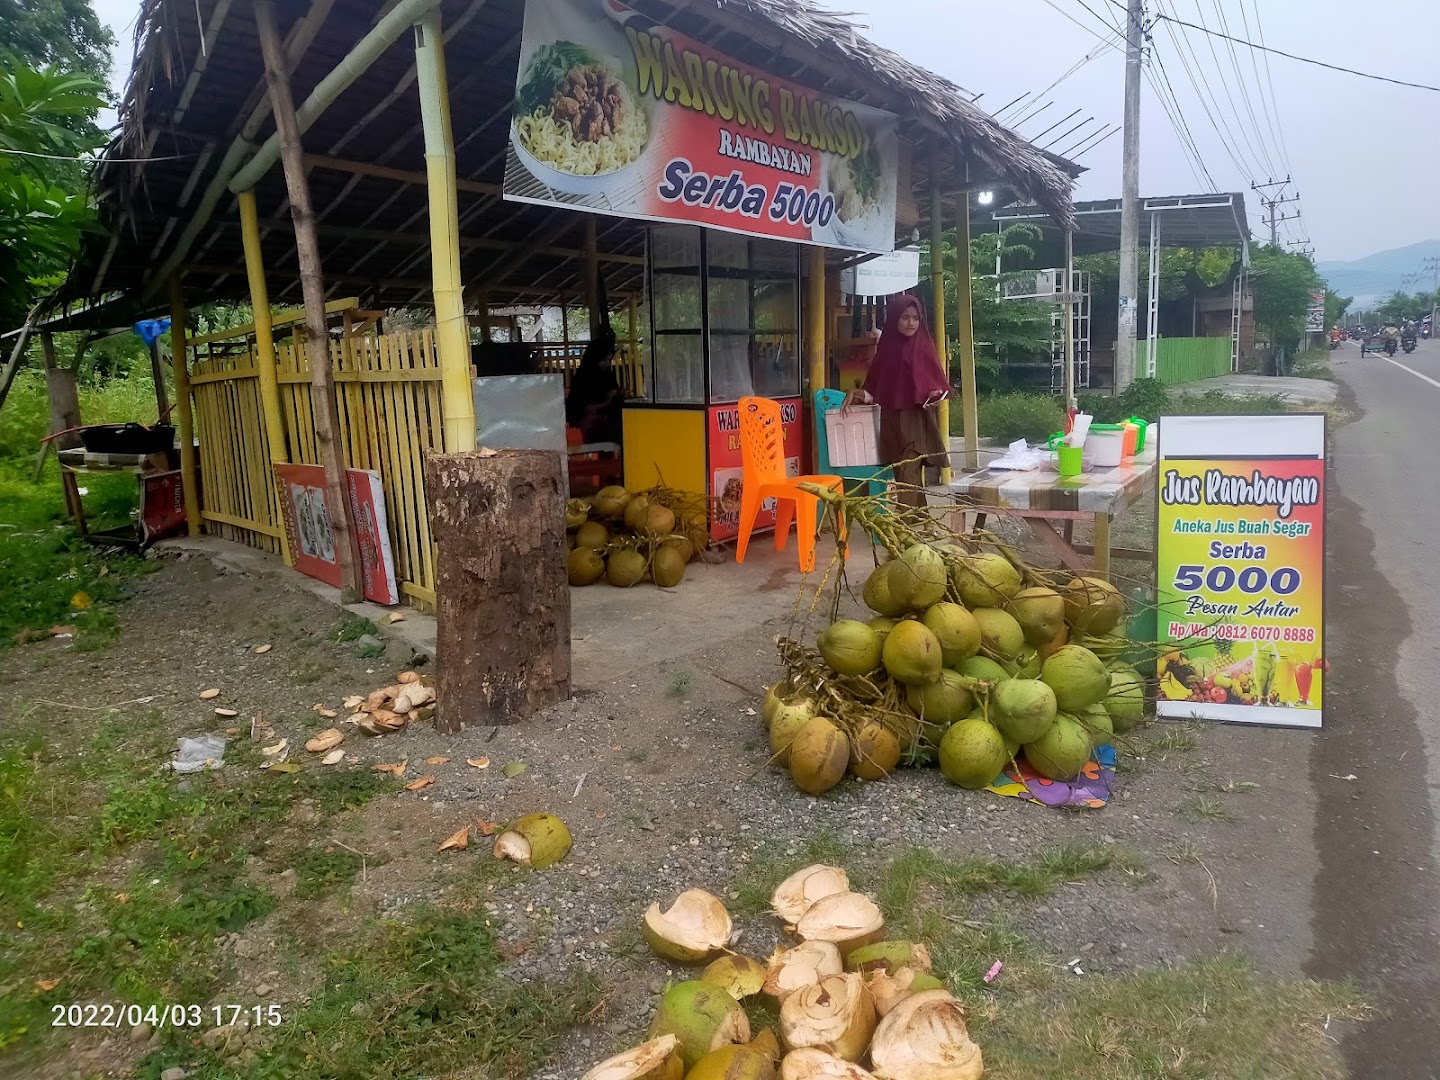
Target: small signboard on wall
x=312 y=536
x=1240 y=568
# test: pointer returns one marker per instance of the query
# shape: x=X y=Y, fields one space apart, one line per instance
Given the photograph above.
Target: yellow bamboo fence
x=387 y=389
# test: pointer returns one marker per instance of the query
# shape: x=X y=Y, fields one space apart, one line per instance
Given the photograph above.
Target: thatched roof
x=196 y=96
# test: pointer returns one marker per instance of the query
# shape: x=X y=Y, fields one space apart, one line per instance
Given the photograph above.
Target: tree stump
x=501 y=585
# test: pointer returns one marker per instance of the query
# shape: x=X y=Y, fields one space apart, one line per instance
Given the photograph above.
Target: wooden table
x=153 y=469
x=1042 y=497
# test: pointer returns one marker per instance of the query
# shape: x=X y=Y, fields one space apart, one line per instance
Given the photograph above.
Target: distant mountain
x=1377 y=276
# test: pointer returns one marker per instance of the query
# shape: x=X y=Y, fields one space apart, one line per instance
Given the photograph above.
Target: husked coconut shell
x=702 y=1017
x=536 y=840
x=694 y=928
x=804 y=965
x=808 y=1063
x=326 y=740
x=798 y=893
x=658 y=1059
x=836 y=1015
x=924 y=1037
x=889 y=989
x=849 y=921
x=740 y=976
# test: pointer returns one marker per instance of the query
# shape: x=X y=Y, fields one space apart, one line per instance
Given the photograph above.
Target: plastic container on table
x=1105 y=446
x=1144 y=426
x=1069 y=460
x=1132 y=436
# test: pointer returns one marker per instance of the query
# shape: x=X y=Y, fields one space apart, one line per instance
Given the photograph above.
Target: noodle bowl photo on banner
x=617 y=114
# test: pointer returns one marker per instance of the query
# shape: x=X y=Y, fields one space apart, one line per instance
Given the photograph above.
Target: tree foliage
x=61 y=33
x=1284 y=282
x=1335 y=307
x=46 y=128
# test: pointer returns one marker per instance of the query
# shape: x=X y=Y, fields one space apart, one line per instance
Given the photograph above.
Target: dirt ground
x=658 y=765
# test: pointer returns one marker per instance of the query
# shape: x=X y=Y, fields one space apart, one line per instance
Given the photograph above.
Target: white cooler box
x=854 y=437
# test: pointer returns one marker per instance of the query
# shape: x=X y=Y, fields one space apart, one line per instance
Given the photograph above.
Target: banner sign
x=1240 y=568
x=1315 y=313
x=884 y=275
x=311 y=536
x=617 y=114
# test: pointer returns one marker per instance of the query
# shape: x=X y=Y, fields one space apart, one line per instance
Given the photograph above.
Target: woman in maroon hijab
x=908 y=383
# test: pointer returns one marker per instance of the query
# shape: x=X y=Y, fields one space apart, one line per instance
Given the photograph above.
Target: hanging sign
x=617 y=114
x=1240 y=568
x=884 y=275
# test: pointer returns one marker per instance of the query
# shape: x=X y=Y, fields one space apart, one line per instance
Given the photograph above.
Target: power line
x=1270 y=107
x=1230 y=97
x=1177 y=121
x=1242 y=87
x=1301 y=59
x=1071 y=70
x=1083 y=26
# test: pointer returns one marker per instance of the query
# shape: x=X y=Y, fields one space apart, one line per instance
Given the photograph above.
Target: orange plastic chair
x=762 y=450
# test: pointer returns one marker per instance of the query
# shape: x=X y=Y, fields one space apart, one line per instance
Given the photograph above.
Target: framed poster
x=312 y=537
x=1240 y=568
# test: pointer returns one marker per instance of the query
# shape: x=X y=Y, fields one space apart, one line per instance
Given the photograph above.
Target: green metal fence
x=1183 y=360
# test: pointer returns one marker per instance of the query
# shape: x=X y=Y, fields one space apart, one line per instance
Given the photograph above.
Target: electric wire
x=1270 y=108
x=1259 y=166
x=1242 y=87
x=1270 y=81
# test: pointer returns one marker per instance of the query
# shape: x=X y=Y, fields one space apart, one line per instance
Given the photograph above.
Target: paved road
x=1376 y=902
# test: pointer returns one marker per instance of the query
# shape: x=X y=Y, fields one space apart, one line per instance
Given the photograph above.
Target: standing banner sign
x=617 y=114
x=1240 y=568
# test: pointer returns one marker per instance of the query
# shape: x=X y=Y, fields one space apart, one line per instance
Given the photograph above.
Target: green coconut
x=1061 y=752
x=775 y=696
x=941 y=703
x=1000 y=635
x=625 y=568
x=1040 y=613
x=702 y=1017
x=878 y=595
x=850 y=647
x=1077 y=676
x=874 y=751
x=1097 y=724
x=683 y=545
x=1108 y=647
x=918 y=578
x=882 y=625
x=956 y=629
x=1023 y=709
x=1026 y=665
x=819 y=756
x=889 y=957
x=1093 y=605
x=984 y=669
x=634 y=516
x=733 y=1063
x=912 y=654
x=657 y=520
x=667 y=567
x=972 y=753
x=592 y=534
x=576 y=513
x=740 y=976
x=1126 y=701
x=610 y=502
x=987 y=579
x=785 y=723
x=585 y=566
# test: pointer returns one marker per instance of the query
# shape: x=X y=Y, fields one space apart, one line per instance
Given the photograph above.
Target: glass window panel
x=675 y=245
x=776 y=365
x=728 y=250
x=772 y=255
x=677 y=301
x=729 y=304
x=775 y=306
x=730 y=378
x=679 y=369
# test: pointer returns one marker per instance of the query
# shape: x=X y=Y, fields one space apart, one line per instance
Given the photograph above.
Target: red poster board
x=162 y=506
x=726 y=468
x=312 y=538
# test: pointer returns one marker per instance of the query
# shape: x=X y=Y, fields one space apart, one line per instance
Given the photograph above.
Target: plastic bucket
x=1069 y=460
x=1105 y=446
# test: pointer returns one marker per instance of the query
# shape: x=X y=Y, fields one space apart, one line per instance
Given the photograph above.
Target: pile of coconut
x=852 y=1006
x=970 y=661
x=626 y=538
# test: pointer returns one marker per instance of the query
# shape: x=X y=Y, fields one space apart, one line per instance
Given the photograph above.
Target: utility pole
x=1433 y=265
x=1274 y=202
x=1130 y=199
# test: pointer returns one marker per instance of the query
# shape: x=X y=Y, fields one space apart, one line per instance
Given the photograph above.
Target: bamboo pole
x=184 y=418
x=312 y=285
x=264 y=350
x=815 y=321
x=592 y=278
x=452 y=330
x=965 y=337
x=937 y=286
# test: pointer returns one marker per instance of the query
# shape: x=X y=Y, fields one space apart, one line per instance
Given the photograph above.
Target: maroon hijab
x=906 y=372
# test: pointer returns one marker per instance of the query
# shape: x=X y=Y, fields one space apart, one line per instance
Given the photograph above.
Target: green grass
x=354 y=627
x=1205 y=808
x=319 y=871
x=423 y=995
x=758 y=880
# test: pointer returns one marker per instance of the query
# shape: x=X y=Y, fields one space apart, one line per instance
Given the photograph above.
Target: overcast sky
x=1364 y=155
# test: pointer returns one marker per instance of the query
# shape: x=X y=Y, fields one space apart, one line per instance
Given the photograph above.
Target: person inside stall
x=908 y=383
x=596 y=402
